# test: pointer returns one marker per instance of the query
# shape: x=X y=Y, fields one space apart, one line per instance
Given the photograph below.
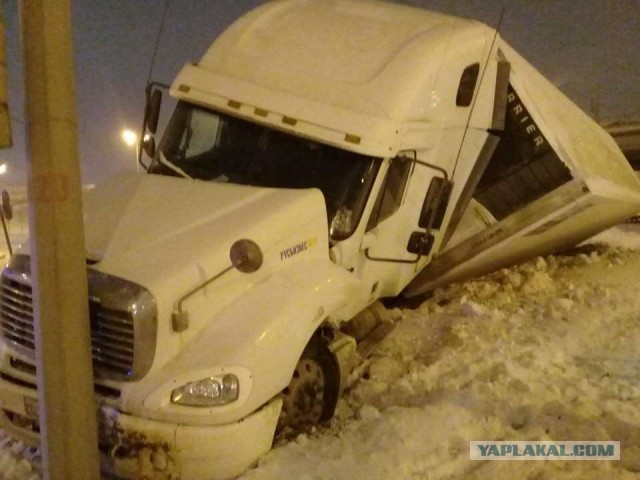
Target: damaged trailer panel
x=555 y=178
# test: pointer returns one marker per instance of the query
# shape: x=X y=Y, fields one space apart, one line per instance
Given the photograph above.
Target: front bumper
x=133 y=447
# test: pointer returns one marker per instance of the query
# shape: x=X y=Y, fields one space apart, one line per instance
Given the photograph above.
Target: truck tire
x=312 y=394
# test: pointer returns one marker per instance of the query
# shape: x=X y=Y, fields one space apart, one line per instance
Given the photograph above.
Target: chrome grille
x=112 y=331
x=112 y=334
x=120 y=312
x=16 y=313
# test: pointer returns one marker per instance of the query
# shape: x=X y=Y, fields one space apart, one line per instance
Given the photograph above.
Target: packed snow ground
x=547 y=350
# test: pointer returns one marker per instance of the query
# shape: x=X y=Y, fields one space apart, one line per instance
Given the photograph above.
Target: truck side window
x=390 y=196
x=467 y=85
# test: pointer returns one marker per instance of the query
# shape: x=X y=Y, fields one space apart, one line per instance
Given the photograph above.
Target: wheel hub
x=303 y=399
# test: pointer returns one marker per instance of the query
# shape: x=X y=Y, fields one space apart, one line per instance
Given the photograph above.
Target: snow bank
x=17 y=461
x=545 y=350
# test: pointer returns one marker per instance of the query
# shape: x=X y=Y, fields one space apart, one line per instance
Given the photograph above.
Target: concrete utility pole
x=62 y=334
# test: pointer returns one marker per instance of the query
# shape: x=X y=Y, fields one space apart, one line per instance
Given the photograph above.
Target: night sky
x=589 y=48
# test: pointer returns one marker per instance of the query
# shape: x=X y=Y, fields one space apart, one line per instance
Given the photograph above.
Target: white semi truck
x=323 y=155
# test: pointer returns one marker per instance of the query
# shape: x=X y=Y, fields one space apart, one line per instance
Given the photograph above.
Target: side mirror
x=435 y=203
x=420 y=243
x=5 y=204
x=6 y=214
x=149 y=145
x=152 y=111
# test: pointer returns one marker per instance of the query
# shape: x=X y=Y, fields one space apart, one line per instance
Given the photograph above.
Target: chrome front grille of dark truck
x=122 y=316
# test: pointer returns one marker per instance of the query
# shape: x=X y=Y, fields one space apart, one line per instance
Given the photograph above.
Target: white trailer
x=323 y=155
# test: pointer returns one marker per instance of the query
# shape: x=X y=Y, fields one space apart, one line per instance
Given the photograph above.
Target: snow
x=17 y=461
x=546 y=350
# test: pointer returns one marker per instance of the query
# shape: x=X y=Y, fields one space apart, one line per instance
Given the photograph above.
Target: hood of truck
x=135 y=217
x=171 y=235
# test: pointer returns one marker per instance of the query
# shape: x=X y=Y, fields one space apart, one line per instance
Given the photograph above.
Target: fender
x=264 y=331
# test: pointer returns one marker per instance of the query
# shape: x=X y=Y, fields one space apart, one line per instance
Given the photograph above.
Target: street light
x=130 y=137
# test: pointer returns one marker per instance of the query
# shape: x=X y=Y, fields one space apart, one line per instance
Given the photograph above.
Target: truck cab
x=323 y=155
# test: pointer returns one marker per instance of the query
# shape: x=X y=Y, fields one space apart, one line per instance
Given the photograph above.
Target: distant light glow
x=3 y=169
x=129 y=137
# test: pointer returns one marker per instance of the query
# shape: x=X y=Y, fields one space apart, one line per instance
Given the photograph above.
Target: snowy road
x=546 y=350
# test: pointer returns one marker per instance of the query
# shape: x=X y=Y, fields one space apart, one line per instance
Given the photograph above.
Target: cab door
x=402 y=226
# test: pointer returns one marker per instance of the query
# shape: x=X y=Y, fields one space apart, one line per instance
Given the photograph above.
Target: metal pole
x=62 y=334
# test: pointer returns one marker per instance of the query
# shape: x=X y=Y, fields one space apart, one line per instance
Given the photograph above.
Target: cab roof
x=366 y=56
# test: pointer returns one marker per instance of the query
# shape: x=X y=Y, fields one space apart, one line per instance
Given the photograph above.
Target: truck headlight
x=207 y=392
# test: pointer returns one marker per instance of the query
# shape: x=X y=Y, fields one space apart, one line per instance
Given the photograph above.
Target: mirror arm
x=424 y=164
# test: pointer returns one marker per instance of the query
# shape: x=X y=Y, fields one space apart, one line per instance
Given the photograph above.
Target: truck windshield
x=212 y=146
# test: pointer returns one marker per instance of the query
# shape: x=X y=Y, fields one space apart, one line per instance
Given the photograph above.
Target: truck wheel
x=312 y=395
